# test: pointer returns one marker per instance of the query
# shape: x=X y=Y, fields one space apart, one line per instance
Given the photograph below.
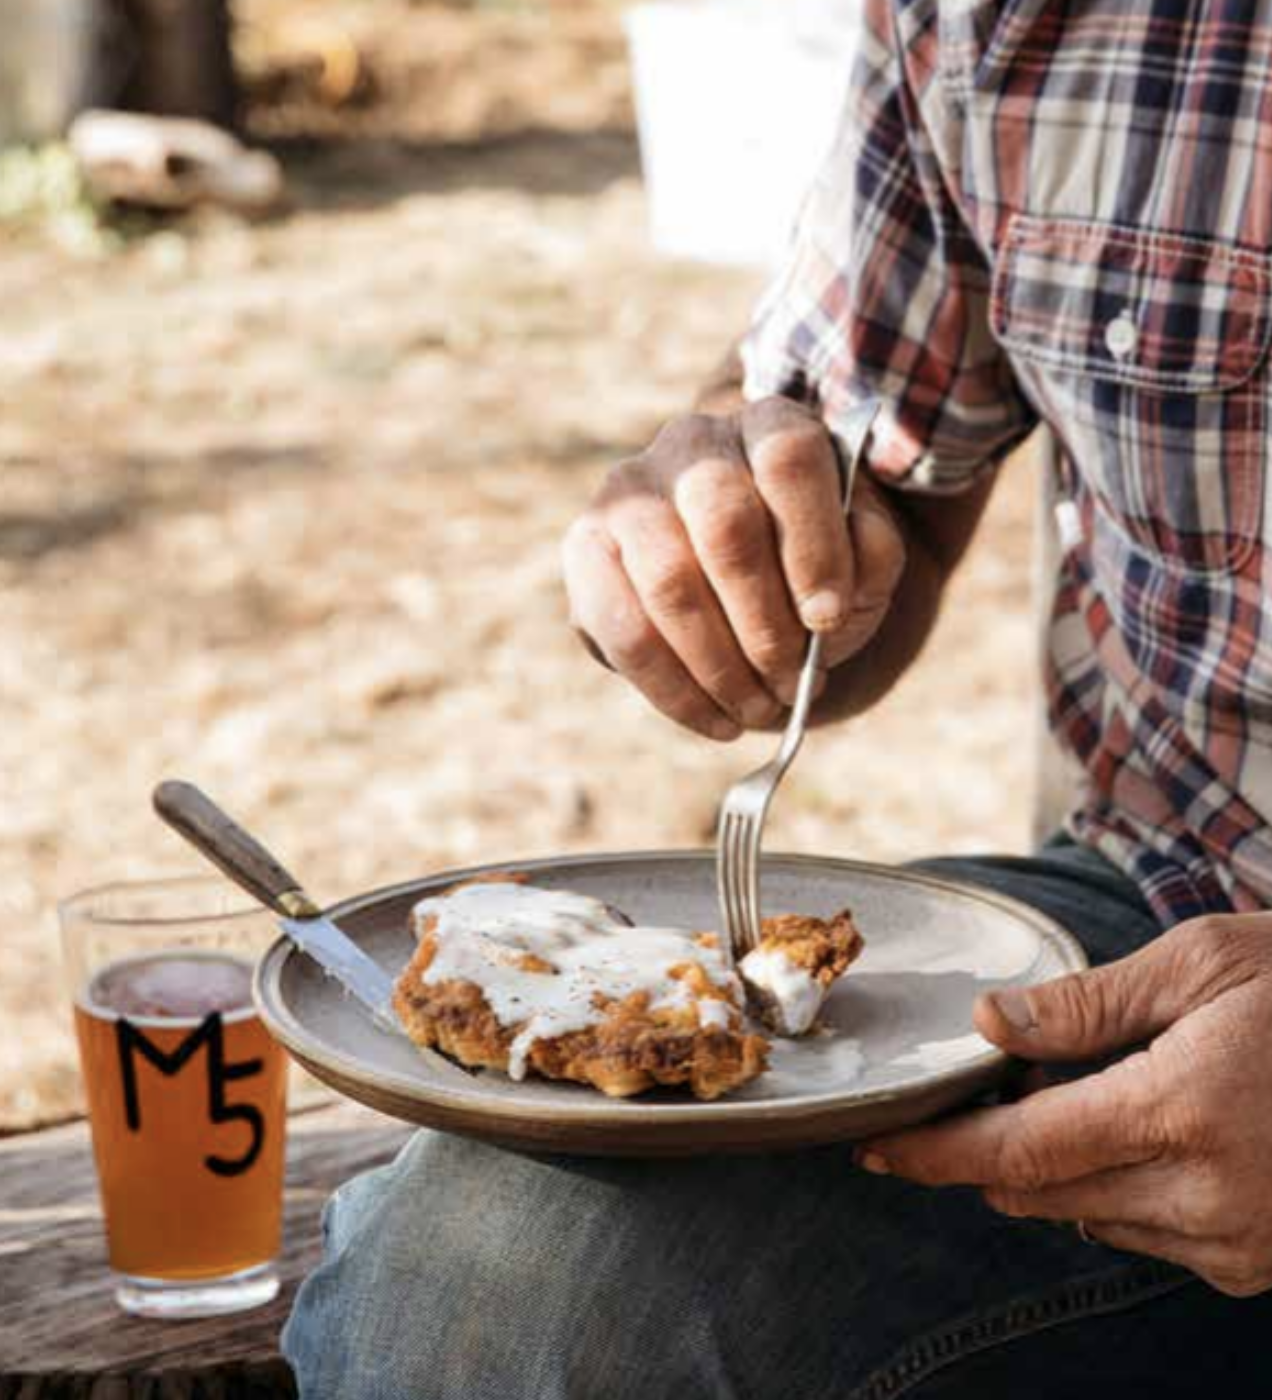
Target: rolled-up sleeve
x=886 y=291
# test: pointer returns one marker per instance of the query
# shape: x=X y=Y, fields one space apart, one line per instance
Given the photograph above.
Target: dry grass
x=280 y=513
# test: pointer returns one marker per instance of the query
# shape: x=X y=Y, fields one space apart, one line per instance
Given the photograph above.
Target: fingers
x=1124 y=1003
x=702 y=562
x=1153 y=1209
x=1141 y=1195
x=606 y=609
x=1221 y=1263
x=732 y=535
x=797 y=476
x=1141 y=1239
x=667 y=576
x=1083 y=1015
x=1105 y=1121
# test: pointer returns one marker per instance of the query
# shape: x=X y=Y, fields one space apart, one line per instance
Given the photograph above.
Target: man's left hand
x=1169 y=1151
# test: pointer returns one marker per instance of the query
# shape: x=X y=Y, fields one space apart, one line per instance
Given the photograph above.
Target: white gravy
x=483 y=930
x=796 y=994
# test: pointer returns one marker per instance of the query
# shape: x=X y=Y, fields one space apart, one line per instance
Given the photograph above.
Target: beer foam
x=178 y=985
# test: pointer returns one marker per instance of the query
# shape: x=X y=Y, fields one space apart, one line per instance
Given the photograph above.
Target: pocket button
x=1121 y=337
x=1068 y=525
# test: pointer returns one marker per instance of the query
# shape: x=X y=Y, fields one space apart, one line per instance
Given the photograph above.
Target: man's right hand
x=702 y=564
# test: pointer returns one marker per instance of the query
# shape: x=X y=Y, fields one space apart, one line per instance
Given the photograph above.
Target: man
x=1034 y=211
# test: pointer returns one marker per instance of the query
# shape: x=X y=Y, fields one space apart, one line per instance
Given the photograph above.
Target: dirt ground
x=280 y=509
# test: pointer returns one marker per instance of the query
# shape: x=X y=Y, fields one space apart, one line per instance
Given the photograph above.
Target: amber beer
x=186 y=1093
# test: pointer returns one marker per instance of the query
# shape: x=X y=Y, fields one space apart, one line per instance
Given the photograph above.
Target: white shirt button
x=1068 y=524
x=1121 y=337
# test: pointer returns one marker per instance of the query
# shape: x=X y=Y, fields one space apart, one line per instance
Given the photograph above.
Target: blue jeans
x=468 y=1272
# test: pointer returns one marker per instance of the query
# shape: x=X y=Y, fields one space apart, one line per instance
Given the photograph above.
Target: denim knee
x=465 y=1271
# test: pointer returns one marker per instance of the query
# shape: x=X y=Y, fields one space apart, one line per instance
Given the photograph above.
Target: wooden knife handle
x=193 y=815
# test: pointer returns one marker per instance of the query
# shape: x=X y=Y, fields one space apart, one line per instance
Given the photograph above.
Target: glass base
x=178 y=1299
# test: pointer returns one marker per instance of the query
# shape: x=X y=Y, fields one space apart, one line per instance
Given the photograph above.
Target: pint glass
x=186 y=1092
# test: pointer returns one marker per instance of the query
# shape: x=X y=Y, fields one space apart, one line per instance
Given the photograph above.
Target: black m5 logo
x=132 y=1041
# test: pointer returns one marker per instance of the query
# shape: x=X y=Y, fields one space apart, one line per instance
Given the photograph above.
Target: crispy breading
x=826 y=948
x=629 y=1050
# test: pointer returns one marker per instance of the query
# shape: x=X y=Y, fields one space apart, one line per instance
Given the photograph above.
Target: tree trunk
x=169 y=58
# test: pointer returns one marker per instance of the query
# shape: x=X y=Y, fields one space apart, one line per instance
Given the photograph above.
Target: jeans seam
x=1098 y=1295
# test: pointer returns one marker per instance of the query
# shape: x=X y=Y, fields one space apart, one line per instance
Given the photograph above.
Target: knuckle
x=634 y=648
x=670 y=589
x=1217 y=953
x=1083 y=1004
x=780 y=407
x=632 y=477
x=723 y=683
x=1206 y=958
x=701 y=490
x=1023 y=1167
x=732 y=537
x=690 y=438
x=1243 y=1281
x=1205 y=938
x=1177 y=1124
x=772 y=650
x=776 y=414
x=587 y=533
x=1156 y=1116
x=790 y=454
x=1209 y=931
x=1240 y=1264
x=688 y=706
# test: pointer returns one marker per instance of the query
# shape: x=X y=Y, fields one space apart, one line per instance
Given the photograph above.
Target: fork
x=746 y=804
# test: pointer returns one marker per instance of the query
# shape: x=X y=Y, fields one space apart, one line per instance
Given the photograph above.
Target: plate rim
x=598 y=1111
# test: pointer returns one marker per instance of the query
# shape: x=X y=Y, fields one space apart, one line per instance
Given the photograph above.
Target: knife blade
x=340 y=957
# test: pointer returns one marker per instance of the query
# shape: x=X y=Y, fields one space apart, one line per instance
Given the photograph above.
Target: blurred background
x=286 y=449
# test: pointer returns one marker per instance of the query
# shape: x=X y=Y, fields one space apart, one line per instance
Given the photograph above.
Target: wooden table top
x=62 y=1334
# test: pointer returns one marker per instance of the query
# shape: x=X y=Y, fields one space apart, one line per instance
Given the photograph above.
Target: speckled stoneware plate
x=899 y=1048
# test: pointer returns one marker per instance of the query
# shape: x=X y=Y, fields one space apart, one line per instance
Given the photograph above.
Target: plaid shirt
x=1064 y=212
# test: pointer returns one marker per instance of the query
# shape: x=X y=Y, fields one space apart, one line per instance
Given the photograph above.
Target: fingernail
x=873 y=1162
x=758 y=712
x=724 y=729
x=823 y=611
x=1012 y=1004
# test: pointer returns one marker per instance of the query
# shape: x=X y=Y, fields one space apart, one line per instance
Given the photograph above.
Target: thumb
x=1093 y=1013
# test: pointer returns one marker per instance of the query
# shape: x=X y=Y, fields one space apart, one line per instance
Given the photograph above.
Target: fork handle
x=848 y=461
x=797 y=724
x=807 y=680
x=849 y=457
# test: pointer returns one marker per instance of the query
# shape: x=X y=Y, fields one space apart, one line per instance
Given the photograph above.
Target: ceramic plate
x=900 y=1045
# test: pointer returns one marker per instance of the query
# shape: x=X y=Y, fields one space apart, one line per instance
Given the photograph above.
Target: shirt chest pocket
x=1148 y=355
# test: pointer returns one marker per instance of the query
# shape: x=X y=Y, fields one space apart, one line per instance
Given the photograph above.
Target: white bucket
x=737 y=102
x=47 y=49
